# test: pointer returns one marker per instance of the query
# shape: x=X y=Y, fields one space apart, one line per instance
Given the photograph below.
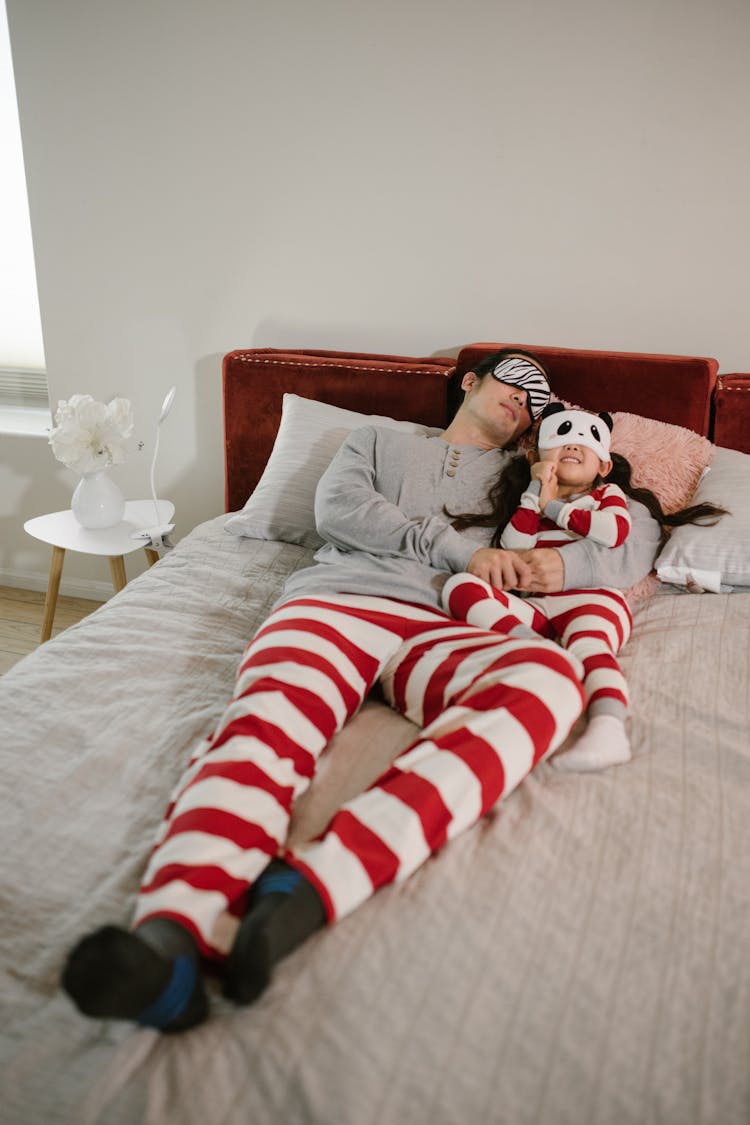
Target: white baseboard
x=69 y=587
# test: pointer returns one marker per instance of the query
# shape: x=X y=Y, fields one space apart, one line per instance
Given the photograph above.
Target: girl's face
x=577 y=466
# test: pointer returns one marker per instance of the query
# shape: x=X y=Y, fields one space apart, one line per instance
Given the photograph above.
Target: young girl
x=571 y=487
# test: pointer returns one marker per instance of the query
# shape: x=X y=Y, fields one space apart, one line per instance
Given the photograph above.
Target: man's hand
x=505 y=570
x=546 y=570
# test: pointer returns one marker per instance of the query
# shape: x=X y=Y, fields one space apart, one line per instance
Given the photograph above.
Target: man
x=488 y=707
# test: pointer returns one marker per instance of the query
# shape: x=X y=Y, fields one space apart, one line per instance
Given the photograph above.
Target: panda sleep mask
x=575 y=427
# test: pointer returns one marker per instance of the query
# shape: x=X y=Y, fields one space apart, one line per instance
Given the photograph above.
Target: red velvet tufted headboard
x=676 y=389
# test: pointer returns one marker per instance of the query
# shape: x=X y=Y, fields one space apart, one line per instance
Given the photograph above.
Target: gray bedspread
x=580 y=956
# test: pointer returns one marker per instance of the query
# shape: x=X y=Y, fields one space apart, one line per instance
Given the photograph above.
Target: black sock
x=150 y=976
x=284 y=910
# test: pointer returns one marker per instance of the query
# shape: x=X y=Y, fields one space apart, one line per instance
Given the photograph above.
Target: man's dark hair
x=489 y=363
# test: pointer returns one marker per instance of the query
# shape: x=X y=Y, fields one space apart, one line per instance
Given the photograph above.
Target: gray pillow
x=714 y=559
x=282 y=505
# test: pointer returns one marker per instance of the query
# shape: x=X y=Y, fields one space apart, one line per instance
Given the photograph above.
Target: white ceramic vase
x=97 y=501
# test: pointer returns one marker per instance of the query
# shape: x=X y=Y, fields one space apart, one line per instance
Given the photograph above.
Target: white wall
x=400 y=176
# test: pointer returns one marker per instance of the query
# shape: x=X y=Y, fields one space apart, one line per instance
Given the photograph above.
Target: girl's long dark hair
x=505 y=496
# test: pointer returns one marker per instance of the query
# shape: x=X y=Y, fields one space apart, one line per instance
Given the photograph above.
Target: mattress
x=579 y=956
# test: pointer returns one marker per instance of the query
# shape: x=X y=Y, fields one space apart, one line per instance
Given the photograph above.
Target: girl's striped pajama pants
x=489 y=708
x=592 y=624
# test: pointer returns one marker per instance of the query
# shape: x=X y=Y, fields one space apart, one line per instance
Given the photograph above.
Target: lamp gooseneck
x=159 y=530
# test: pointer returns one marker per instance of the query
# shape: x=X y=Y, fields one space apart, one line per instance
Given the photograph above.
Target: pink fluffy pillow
x=667 y=459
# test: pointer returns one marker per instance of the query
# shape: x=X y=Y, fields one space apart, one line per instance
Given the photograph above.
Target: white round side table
x=64 y=533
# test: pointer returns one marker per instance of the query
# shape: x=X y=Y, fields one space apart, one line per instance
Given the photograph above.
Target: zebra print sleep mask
x=520 y=372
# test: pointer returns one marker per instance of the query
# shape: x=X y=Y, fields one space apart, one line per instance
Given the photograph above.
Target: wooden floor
x=21 y=613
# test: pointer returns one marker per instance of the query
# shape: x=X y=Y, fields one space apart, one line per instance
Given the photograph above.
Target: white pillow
x=714 y=559
x=310 y=433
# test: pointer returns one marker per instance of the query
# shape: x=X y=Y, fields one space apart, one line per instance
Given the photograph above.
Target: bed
x=580 y=955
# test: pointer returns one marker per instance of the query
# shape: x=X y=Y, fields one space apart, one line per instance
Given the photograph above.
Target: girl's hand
x=546 y=473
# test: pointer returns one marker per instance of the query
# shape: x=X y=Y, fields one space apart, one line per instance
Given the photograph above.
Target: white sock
x=604 y=743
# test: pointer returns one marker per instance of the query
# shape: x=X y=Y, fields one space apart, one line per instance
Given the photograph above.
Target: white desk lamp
x=159 y=531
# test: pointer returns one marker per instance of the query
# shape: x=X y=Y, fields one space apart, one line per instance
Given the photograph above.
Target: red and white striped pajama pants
x=592 y=624
x=489 y=707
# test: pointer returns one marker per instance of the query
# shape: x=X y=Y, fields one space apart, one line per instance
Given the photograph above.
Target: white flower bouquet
x=88 y=435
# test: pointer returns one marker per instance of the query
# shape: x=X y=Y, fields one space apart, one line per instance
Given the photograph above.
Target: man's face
x=500 y=409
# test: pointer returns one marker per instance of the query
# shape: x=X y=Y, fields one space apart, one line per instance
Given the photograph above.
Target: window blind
x=27 y=389
x=23 y=382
